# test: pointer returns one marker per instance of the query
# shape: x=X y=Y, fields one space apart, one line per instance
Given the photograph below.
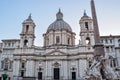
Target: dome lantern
x=59 y=15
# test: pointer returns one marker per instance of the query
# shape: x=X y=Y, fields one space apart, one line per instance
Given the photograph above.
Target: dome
x=59 y=24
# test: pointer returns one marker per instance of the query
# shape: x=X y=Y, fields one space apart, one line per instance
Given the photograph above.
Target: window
x=119 y=42
x=23 y=65
x=10 y=65
x=27 y=28
x=114 y=62
x=101 y=41
x=5 y=44
x=111 y=49
x=57 y=39
x=0 y=51
x=106 y=41
x=12 y=44
x=87 y=40
x=107 y=49
x=68 y=41
x=25 y=42
x=86 y=25
x=2 y=64
x=6 y=64
x=47 y=41
x=8 y=44
x=110 y=40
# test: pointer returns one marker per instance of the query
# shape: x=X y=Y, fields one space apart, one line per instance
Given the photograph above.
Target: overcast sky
x=14 y=12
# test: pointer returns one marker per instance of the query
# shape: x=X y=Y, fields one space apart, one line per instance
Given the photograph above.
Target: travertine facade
x=59 y=58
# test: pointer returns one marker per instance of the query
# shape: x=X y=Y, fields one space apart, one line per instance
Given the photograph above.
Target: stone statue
x=94 y=69
x=101 y=69
x=109 y=70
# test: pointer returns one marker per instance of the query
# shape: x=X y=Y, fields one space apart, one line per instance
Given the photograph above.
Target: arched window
x=25 y=42
x=88 y=41
x=6 y=64
x=86 y=25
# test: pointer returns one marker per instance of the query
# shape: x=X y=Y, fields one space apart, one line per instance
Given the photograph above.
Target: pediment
x=56 y=53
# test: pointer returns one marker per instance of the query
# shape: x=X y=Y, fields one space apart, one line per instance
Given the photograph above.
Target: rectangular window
x=23 y=65
x=10 y=65
x=106 y=41
x=110 y=40
x=12 y=44
x=27 y=28
x=9 y=44
x=107 y=49
x=111 y=49
x=57 y=39
x=2 y=64
x=68 y=41
x=5 y=44
x=101 y=41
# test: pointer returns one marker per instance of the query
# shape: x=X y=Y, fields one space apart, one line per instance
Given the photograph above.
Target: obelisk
x=99 y=50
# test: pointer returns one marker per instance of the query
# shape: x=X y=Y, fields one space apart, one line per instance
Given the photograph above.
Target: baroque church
x=59 y=58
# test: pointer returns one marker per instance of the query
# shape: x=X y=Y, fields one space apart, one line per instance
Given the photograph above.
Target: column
x=16 y=67
x=30 y=68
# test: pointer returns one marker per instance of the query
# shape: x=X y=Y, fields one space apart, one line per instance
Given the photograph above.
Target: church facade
x=59 y=58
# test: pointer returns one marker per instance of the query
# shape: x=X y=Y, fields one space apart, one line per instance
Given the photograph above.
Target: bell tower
x=87 y=30
x=27 y=35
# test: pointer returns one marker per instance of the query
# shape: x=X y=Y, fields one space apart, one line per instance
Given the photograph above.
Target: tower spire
x=95 y=22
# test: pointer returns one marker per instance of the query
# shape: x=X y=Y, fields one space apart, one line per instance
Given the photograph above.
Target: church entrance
x=56 y=73
x=73 y=75
x=39 y=75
